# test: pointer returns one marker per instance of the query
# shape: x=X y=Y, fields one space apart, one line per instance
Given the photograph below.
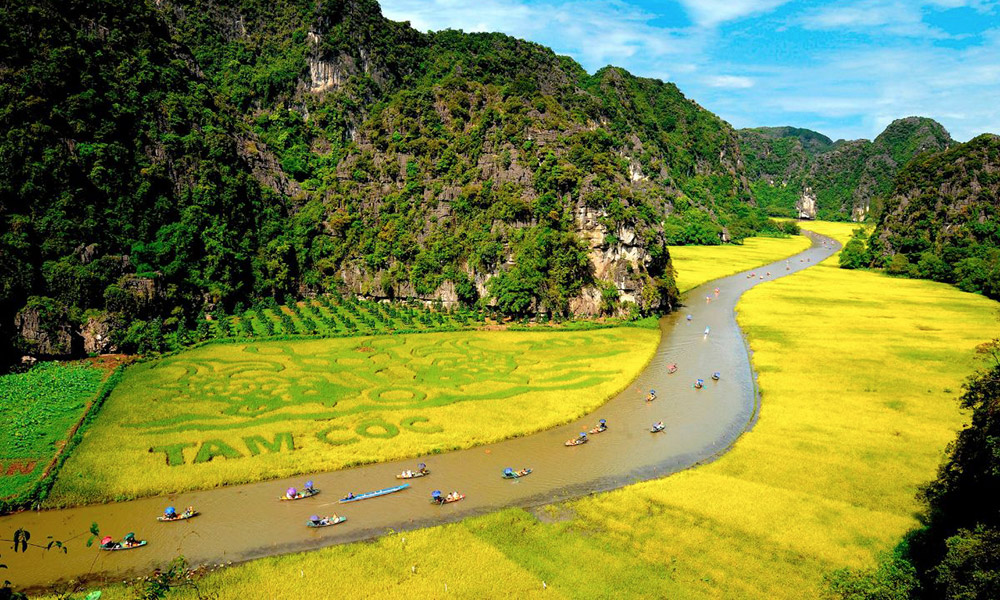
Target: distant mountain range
x=802 y=173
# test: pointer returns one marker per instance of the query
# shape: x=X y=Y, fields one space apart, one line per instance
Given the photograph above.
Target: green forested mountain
x=801 y=172
x=942 y=222
x=161 y=158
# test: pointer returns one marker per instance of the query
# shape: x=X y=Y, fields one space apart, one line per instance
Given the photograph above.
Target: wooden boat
x=671 y=368
x=301 y=495
x=124 y=547
x=516 y=474
x=376 y=493
x=180 y=517
x=577 y=441
x=657 y=428
x=413 y=474
x=336 y=521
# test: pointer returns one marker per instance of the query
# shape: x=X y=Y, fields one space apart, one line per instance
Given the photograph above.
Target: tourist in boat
x=130 y=540
x=170 y=513
x=658 y=425
x=109 y=544
x=716 y=292
x=522 y=472
x=716 y=375
x=651 y=396
x=291 y=493
x=706 y=330
x=349 y=496
x=189 y=511
x=699 y=383
x=689 y=317
x=671 y=367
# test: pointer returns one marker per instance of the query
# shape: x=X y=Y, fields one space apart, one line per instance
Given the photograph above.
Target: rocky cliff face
x=846 y=179
x=220 y=153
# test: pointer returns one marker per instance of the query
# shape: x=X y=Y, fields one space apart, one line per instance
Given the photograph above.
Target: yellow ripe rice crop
x=236 y=412
x=859 y=373
x=697 y=264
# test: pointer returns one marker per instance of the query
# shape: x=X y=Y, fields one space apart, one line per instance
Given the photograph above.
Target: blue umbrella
x=436 y=494
x=314 y=518
x=421 y=465
x=508 y=470
x=309 y=484
x=602 y=421
x=170 y=510
x=291 y=492
x=583 y=434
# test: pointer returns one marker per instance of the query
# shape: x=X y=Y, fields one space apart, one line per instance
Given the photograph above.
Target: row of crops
x=332 y=315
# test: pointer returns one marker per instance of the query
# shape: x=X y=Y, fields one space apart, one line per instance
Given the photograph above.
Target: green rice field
x=39 y=409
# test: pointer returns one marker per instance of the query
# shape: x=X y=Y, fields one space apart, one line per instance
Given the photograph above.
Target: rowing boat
x=180 y=517
x=124 y=547
x=381 y=492
x=516 y=474
x=336 y=521
x=301 y=495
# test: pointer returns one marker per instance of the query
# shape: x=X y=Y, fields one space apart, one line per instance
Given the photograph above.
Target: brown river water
x=243 y=522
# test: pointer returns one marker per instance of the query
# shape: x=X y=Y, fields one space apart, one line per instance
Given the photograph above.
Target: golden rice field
x=697 y=264
x=236 y=412
x=859 y=372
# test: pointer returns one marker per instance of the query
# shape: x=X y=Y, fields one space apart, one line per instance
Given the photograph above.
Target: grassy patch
x=826 y=479
x=236 y=412
x=39 y=408
x=697 y=264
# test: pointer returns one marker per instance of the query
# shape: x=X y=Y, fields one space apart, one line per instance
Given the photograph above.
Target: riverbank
x=859 y=374
x=697 y=264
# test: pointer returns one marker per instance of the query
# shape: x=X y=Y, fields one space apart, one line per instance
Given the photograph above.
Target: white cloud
x=709 y=13
x=895 y=17
x=594 y=32
x=728 y=81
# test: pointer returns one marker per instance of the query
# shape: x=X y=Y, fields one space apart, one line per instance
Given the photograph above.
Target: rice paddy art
x=235 y=412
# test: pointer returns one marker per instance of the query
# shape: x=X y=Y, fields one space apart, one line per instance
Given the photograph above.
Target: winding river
x=244 y=522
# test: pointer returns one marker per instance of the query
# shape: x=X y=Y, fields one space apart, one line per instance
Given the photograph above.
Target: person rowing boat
x=699 y=383
x=602 y=426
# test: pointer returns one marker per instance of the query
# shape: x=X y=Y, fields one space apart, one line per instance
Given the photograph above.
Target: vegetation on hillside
x=943 y=220
x=847 y=179
x=164 y=159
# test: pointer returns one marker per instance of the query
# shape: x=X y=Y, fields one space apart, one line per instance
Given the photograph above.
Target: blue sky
x=845 y=68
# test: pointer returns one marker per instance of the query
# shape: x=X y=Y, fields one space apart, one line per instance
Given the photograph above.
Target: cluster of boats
x=308 y=491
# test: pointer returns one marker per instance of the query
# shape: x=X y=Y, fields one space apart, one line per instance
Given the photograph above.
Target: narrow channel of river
x=246 y=521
